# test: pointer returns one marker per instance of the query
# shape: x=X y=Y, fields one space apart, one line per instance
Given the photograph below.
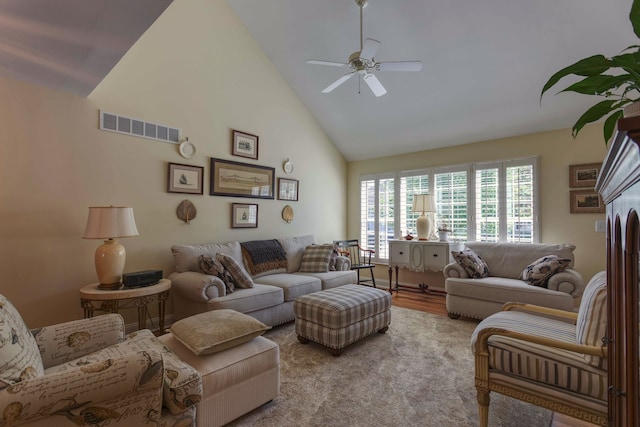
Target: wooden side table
x=109 y=301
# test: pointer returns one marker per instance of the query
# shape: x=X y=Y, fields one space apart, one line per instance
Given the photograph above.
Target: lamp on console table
x=108 y=223
x=423 y=203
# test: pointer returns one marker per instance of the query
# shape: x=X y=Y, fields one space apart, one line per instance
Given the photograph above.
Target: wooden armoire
x=619 y=185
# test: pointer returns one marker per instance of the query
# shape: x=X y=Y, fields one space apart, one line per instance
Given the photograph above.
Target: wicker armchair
x=548 y=357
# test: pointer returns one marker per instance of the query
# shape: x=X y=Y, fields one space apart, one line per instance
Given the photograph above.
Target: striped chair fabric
x=591 y=325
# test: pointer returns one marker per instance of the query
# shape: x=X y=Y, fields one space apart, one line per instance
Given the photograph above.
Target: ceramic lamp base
x=110 y=259
x=423 y=227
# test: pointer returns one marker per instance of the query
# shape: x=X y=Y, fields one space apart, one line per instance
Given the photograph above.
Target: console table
x=419 y=255
x=110 y=301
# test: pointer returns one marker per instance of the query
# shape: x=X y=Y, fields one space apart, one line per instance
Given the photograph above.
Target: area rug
x=419 y=373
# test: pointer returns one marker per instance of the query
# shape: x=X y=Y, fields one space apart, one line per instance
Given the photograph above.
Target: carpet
x=419 y=373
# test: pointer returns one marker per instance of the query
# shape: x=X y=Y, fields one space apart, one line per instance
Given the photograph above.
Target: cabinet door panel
x=400 y=253
x=435 y=257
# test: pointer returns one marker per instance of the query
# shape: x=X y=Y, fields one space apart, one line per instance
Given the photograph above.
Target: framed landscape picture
x=244 y=145
x=586 y=201
x=584 y=175
x=241 y=179
x=244 y=215
x=185 y=179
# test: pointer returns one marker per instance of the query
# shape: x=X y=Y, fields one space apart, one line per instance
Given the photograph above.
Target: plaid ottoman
x=340 y=316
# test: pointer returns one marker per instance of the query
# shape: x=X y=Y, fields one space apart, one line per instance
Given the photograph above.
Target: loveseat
x=480 y=297
x=88 y=372
x=280 y=270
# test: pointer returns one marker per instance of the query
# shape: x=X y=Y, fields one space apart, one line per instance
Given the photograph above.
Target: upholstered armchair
x=548 y=357
x=87 y=372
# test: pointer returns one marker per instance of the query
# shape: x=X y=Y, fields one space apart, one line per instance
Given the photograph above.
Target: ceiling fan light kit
x=363 y=63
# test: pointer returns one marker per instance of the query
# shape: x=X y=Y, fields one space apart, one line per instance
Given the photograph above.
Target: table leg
x=87 y=306
x=162 y=298
x=390 y=280
x=142 y=316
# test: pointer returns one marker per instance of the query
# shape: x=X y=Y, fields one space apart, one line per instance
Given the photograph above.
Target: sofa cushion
x=19 y=355
x=293 y=285
x=333 y=279
x=316 y=258
x=187 y=257
x=294 y=248
x=241 y=278
x=247 y=300
x=472 y=263
x=538 y=272
x=213 y=267
x=263 y=257
x=509 y=259
x=217 y=330
x=591 y=324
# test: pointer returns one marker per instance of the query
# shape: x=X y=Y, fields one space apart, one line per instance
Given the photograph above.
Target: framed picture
x=244 y=215
x=244 y=145
x=287 y=189
x=584 y=175
x=185 y=179
x=241 y=179
x=586 y=201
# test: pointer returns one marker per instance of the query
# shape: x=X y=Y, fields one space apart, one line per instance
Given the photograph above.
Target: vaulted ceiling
x=484 y=62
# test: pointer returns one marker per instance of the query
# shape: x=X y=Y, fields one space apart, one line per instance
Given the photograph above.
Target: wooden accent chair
x=548 y=357
x=360 y=258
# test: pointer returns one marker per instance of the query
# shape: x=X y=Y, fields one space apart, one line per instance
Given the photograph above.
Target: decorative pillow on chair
x=240 y=276
x=539 y=271
x=472 y=263
x=216 y=330
x=316 y=259
x=591 y=324
x=19 y=355
x=212 y=266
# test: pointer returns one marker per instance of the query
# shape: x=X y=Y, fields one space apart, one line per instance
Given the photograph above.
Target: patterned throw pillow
x=539 y=271
x=240 y=276
x=19 y=355
x=212 y=266
x=475 y=266
x=333 y=259
x=316 y=259
x=591 y=325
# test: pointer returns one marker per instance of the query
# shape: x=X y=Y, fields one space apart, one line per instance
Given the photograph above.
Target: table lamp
x=423 y=203
x=110 y=222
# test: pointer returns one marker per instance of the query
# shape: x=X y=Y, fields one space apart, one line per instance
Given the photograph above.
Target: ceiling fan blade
x=369 y=49
x=338 y=82
x=374 y=84
x=329 y=63
x=399 y=66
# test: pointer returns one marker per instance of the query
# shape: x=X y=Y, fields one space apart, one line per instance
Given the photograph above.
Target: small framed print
x=584 y=175
x=244 y=145
x=185 y=179
x=586 y=201
x=244 y=215
x=287 y=189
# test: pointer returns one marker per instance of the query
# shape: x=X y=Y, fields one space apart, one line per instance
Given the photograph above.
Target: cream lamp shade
x=109 y=223
x=423 y=203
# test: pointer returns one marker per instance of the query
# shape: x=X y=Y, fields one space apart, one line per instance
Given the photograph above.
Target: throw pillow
x=19 y=355
x=212 y=266
x=472 y=263
x=241 y=278
x=538 y=272
x=333 y=259
x=316 y=258
x=591 y=324
x=216 y=330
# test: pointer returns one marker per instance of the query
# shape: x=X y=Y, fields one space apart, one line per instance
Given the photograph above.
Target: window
x=489 y=202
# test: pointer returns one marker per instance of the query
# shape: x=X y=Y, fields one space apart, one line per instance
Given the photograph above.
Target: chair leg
x=483 y=406
x=373 y=279
x=358 y=273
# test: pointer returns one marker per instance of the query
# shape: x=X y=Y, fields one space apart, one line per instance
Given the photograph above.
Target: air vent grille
x=115 y=123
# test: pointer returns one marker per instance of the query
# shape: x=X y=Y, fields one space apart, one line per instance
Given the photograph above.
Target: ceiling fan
x=363 y=63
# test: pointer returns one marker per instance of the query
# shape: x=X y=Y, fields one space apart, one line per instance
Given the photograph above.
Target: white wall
x=196 y=68
x=556 y=150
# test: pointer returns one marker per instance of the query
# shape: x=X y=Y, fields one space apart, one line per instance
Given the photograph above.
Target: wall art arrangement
x=185 y=179
x=241 y=179
x=244 y=215
x=244 y=145
x=586 y=199
x=287 y=189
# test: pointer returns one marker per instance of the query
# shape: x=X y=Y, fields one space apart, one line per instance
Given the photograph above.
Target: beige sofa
x=479 y=298
x=270 y=300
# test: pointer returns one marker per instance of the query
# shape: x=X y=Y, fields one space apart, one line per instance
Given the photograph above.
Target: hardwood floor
x=435 y=303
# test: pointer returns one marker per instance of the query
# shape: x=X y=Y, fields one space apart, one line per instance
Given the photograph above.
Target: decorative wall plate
x=287 y=166
x=287 y=214
x=187 y=149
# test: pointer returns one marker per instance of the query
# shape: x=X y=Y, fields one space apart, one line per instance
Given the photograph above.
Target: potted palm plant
x=617 y=79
